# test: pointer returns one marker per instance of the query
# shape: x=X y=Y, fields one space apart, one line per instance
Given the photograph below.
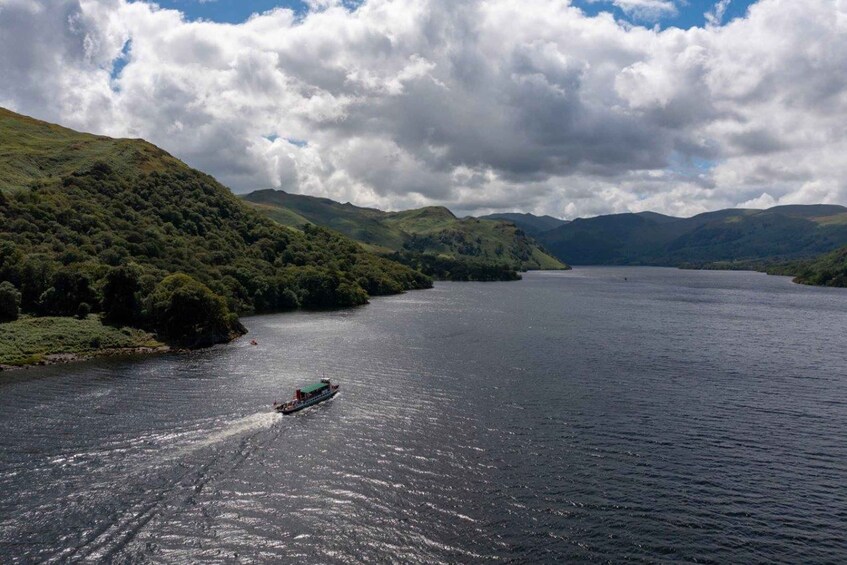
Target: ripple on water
x=683 y=416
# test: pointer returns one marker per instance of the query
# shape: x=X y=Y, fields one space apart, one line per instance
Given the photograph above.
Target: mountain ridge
x=782 y=232
x=406 y=235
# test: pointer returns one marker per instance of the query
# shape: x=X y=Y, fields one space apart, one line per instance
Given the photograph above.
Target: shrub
x=10 y=302
x=83 y=310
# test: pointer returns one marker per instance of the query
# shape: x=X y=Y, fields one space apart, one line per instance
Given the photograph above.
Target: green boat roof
x=313 y=387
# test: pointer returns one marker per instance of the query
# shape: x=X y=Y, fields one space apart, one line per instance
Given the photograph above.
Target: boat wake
x=248 y=424
x=167 y=482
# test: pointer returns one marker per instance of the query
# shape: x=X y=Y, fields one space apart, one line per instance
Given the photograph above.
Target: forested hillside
x=431 y=239
x=119 y=227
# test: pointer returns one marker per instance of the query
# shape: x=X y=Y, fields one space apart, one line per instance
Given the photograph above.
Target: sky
x=665 y=13
x=571 y=108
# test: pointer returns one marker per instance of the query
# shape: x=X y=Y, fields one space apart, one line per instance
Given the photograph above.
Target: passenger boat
x=308 y=396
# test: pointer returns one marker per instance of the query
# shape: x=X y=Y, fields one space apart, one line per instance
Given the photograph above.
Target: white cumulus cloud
x=647 y=9
x=480 y=105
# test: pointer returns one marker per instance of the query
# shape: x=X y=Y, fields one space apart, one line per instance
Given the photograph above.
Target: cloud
x=479 y=105
x=643 y=10
x=650 y=10
x=715 y=15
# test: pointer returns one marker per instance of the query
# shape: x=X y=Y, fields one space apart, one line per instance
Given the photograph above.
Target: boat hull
x=289 y=408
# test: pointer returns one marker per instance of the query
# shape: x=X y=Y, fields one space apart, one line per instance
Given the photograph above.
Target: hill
x=32 y=150
x=119 y=227
x=531 y=224
x=734 y=235
x=432 y=238
x=295 y=210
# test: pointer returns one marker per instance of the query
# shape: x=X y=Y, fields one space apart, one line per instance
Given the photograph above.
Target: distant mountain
x=656 y=217
x=120 y=227
x=734 y=235
x=531 y=224
x=433 y=232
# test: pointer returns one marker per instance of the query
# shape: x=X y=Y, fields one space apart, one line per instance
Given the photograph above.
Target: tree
x=322 y=288
x=83 y=310
x=36 y=273
x=10 y=302
x=350 y=294
x=10 y=259
x=71 y=287
x=187 y=312
x=121 y=302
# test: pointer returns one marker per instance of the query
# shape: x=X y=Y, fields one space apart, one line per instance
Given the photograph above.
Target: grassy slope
x=29 y=339
x=530 y=223
x=432 y=230
x=785 y=232
x=361 y=224
x=32 y=150
x=284 y=216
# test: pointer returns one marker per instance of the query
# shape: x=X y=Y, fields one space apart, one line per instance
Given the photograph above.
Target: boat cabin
x=315 y=389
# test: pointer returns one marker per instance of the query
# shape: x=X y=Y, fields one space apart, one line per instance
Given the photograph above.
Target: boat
x=308 y=396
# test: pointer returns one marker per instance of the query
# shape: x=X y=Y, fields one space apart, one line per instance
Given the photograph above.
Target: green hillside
x=294 y=210
x=121 y=228
x=531 y=224
x=457 y=248
x=828 y=270
x=740 y=236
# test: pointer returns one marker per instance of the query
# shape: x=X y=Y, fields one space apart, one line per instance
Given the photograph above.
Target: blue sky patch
x=689 y=13
x=290 y=140
x=119 y=63
x=229 y=11
x=688 y=166
x=297 y=142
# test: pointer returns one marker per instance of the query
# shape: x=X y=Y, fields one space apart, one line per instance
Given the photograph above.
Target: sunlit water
x=671 y=416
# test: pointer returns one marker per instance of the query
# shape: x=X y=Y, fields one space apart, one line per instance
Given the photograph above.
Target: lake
x=600 y=414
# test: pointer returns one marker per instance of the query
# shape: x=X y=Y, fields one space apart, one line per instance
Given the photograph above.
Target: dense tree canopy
x=450 y=269
x=185 y=311
x=112 y=234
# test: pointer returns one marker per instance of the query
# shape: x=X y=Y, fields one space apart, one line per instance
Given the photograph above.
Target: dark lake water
x=673 y=416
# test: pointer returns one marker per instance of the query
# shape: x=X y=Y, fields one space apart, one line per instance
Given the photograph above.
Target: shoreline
x=51 y=340
x=46 y=359
x=49 y=359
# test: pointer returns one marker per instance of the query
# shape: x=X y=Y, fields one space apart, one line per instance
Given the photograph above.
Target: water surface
x=602 y=414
